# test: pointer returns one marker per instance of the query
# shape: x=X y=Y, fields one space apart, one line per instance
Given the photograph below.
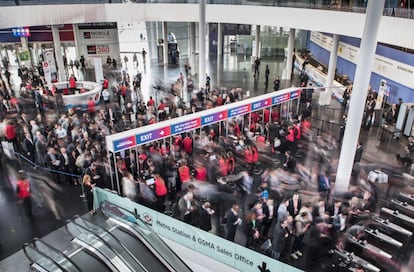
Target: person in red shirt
x=150 y=102
x=200 y=172
x=188 y=144
x=72 y=83
x=91 y=106
x=184 y=172
x=105 y=83
x=266 y=115
x=230 y=162
x=275 y=115
x=10 y=134
x=223 y=170
x=248 y=155
x=160 y=192
x=24 y=195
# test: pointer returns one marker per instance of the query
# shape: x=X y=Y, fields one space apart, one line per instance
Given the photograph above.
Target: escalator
x=127 y=222
x=39 y=261
x=99 y=248
x=129 y=243
x=56 y=255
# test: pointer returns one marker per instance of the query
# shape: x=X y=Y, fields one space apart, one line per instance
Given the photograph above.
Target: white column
x=325 y=99
x=193 y=48
x=58 y=52
x=257 y=41
x=202 y=44
x=78 y=45
x=357 y=102
x=152 y=39
x=165 y=44
x=219 y=39
x=289 y=58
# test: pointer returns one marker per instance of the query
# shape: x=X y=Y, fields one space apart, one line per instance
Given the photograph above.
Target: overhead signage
x=261 y=104
x=238 y=111
x=213 y=118
x=153 y=135
x=280 y=98
x=21 y=32
x=294 y=94
x=185 y=126
x=125 y=143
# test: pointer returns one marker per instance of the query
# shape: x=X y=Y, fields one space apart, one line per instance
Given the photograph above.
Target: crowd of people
x=205 y=178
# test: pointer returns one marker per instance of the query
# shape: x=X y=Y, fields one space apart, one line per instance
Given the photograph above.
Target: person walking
x=24 y=195
x=267 y=73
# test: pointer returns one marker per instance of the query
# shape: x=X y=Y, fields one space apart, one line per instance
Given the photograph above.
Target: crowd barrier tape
x=222 y=250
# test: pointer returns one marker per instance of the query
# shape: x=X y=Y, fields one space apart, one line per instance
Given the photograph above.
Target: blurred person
x=186 y=207
x=251 y=229
x=279 y=238
x=129 y=187
x=23 y=193
x=302 y=224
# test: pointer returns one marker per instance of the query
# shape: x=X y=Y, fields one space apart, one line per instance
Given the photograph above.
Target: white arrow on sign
x=162 y=132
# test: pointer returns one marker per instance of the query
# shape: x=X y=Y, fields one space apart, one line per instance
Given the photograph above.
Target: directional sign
x=261 y=104
x=124 y=143
x=153 y=135
x=213 y=118
x=185 y=126
x=238 y=111
x=280 y=98
x=294 y=94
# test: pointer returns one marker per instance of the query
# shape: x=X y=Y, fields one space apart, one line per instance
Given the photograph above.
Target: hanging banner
x=261 y=104
x=185 y=126
x=238 y=111
x=153 y=135
x=213 y=118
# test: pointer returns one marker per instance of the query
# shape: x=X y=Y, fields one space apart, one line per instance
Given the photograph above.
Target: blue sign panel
x=261 y=104
x=280 y=99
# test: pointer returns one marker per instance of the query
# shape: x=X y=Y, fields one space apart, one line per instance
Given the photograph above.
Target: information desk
x=406 y=197
x=385 y=225
x=384 y=241
x=398 y=218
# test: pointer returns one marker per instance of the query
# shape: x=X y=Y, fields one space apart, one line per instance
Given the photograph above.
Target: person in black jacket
x=29 y=147
x=204 y=217
x=279 y=237
x=232 y=222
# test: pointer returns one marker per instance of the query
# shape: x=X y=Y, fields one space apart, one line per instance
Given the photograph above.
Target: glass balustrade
x=392 y=7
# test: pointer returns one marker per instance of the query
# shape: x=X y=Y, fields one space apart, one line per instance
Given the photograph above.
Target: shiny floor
x=54 y=203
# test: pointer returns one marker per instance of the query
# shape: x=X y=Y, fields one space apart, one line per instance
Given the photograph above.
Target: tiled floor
x=54 y=202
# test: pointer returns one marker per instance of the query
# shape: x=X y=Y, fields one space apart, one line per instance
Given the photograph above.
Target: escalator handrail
x=87 y=225
x=37 y=241
x=32 y=261
x=93 y=250
x=125 y=224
